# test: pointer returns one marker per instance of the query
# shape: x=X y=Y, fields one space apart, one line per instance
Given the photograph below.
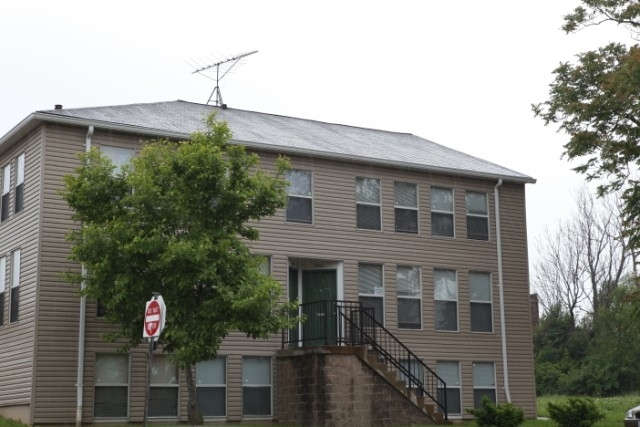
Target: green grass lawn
x=613 y=408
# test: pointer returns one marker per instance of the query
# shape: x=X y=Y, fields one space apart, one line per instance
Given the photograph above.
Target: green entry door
x=319 y=286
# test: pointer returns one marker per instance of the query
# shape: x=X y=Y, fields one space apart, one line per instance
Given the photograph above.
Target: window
x=480 y=296
x=371 y=289
x=119 y=156
x=406 y=207
x=111 y=392
x=15 y=287
x=18 y=200
x=256 y=385
x=446 y=296
x=3 y=278
x=265 y=265
x=450 y=374
x=163 y=397
x=300 y=199
x=211 y=384
x=417 y=371
x=368 y=204
x=4 y=202
x=477 y=216
x=409 y=297
x=442 y=212
x=484 y=382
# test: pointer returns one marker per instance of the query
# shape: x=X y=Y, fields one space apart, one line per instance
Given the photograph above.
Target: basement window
x=211 y=384
x=256 y=386
x=111 y=392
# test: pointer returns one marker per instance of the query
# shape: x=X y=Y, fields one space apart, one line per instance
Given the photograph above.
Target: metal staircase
x=345 y=323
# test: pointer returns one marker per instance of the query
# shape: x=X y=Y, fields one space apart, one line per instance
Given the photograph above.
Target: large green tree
x=596 y=101
x=176 y=222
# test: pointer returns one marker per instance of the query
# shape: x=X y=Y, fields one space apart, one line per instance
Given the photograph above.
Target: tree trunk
x=193 y=412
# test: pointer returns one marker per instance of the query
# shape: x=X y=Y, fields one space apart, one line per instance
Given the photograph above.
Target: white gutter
x=82 y=326
x=503 y=333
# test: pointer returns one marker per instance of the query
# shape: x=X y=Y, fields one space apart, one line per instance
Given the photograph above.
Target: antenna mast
x=225 y=68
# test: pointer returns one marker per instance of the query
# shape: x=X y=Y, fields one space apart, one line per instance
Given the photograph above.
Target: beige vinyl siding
x=20 y=231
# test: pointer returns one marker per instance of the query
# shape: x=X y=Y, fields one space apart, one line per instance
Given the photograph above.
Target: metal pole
x=148 y=381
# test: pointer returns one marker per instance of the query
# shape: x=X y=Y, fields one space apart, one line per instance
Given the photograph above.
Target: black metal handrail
x=347 y=323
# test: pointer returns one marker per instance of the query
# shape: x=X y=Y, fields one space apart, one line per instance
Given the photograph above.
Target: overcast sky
x=460 y=73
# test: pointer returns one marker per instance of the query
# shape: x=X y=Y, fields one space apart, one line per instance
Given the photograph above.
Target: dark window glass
x=446 y=316
x=256 y=400
x=454 y=405
x=477 y=228
x=15 y=301
x=163 y=402
x=481 y=317
x=4 y=214
x=368 y=217
x=299 y=209
x=409 y=313
x=100 y=309
x=19 y=198
x=212 y=401
x=441 y=224
x=377 y=303
x=406 y=220
x=477 y=396
x=110 y=402
x=1 y=308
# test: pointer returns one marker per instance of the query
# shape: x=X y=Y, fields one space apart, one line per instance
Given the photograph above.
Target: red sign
x=152 y=319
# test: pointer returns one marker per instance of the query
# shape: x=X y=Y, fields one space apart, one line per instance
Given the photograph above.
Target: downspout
x=503 y=328
x=82 y=326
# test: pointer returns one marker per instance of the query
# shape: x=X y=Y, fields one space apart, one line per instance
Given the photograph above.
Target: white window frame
x=451 y=299
x=114 y=384
x=417 y=295
x=246 y=385
x=482 y=389
x=452 y=383
x=399 y=206
x=377 y=293
x=300 y=195
x=485 y=216
x=443 y=212
x=6 y=191
x=15 y=287
x=362 y=202
x=18 y=199
x=477 y=302
x=3 y=286
x=157 y=385
x=200 y=384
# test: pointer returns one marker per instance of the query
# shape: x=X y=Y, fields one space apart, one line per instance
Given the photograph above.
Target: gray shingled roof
x=289 y=135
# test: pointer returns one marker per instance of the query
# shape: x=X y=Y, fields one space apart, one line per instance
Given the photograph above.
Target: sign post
x=154 y=318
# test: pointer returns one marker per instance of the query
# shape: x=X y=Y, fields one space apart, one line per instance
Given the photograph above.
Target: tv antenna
x=227 y=65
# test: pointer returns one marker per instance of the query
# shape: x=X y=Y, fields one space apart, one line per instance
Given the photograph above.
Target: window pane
x=449 y=372
x=446 y=286
x=407 y=220
x=112 y=369
x=163 y=372
x=406 y=195
x=256 y=400
x=368 y=217
x=483 y=375
x=6 y=179
x=481 y=320
x=453 y=399
x=212 y=401
x=441 y=199
x=368 y=190
x=441 y=224
x=446 y=316
x=119 y=156
x=476 y=203
x=256 y=370
x=20 y=170
x=3 y=273
x=299 y=209
x=15 y=304
x=111 y=402
x=2 y=294
x=299 y=182
x=377 y=303
x=477 y=397
x=163 y=402
x=4 y=213
x=409 y=313
x=480 y=286
x=370 y=279
x=211 y=372
x=477 y=228
x=19 y=200
x=408 y=281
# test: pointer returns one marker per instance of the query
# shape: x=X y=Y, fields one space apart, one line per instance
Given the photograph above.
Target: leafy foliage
x=577 y=412
x=176 y=222
x=501 y=415
x=596 y=101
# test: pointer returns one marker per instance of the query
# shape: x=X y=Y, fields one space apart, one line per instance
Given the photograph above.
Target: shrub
x=577 y=412
x=502 y=415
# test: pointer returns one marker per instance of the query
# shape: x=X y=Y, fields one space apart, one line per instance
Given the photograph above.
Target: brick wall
x=332 y=386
